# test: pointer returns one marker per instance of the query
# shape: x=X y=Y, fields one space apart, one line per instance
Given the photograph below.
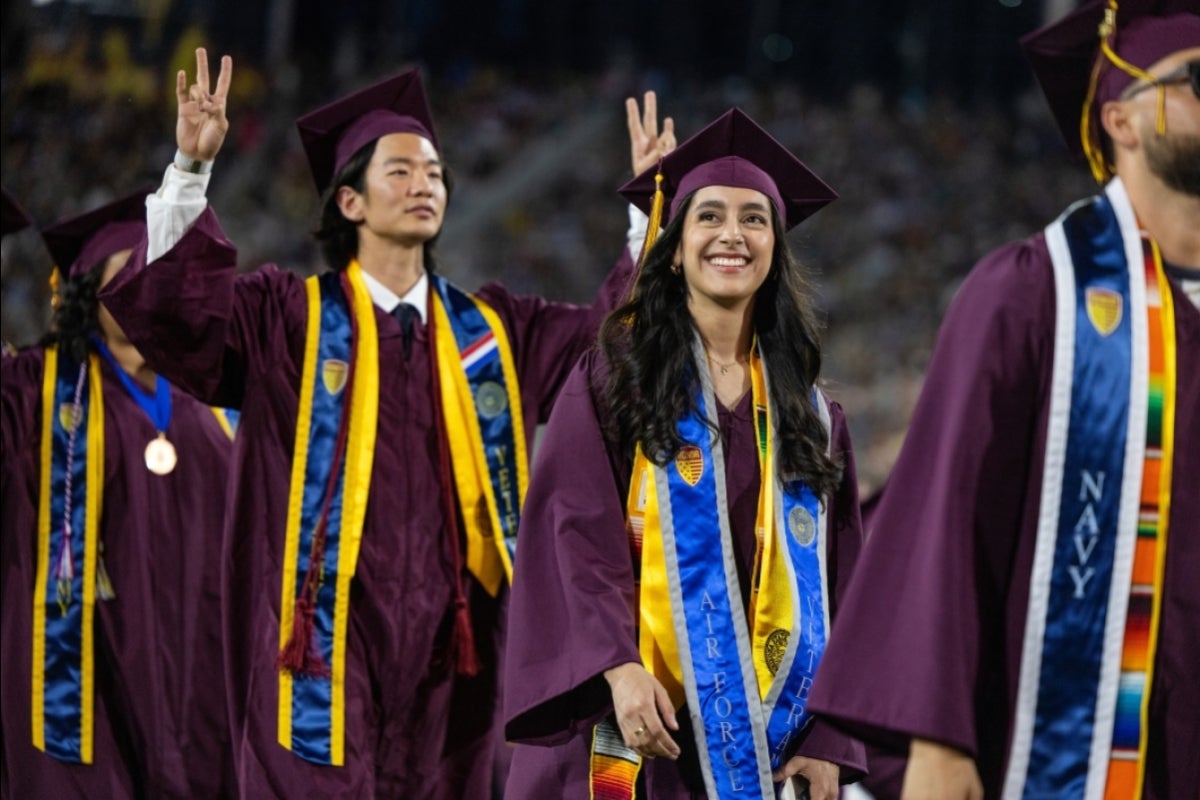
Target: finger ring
x=641 y=729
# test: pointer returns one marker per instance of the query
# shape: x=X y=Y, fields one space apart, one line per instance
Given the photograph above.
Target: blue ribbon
x=158 y=407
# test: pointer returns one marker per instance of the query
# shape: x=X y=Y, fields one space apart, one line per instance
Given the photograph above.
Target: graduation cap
x=1093 y=54
x=731 y=151
x=15 y=217
x=333 y=133
x=79 y=243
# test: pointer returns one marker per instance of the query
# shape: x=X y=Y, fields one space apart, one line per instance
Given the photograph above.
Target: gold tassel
x=652 y=228
x=104 y=586
x=55 y=296
x=1101 y=170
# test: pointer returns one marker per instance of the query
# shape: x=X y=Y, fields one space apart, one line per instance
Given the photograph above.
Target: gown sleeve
x=200 y=324
x=570 y=616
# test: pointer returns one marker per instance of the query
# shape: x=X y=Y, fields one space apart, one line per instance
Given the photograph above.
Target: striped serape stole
x=1127 y=763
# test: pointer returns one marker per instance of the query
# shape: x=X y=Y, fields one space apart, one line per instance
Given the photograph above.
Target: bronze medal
x=160 y=455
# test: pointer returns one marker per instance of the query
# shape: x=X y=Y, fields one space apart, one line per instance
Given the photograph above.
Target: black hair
x=75 y=318
x=337 y=235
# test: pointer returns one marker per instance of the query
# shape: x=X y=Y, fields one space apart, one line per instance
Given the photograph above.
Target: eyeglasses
x=1189 y=72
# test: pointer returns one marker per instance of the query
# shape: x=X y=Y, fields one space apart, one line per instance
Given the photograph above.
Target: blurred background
x=922 y=114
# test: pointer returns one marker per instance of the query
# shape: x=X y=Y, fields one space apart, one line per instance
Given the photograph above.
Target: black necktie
x=406 y=314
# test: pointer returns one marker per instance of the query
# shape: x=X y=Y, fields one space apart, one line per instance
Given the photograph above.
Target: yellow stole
x=484 y=424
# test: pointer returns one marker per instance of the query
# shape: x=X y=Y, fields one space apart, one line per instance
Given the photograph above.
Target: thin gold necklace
x=726 y=367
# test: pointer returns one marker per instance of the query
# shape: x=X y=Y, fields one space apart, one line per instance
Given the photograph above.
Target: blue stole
x=742 y=732
x=69 y=507
x=484 y=427
x=1087 y=523
x=340 y=379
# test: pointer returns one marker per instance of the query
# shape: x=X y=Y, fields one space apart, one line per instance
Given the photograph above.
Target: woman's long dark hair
x=337 y=235
x=653 y=380
x=75 y=317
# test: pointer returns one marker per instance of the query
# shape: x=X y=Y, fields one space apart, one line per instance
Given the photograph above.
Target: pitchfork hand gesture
x=202 y=124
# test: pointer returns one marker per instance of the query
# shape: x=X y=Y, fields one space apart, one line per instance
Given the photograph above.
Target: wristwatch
x=193 y=165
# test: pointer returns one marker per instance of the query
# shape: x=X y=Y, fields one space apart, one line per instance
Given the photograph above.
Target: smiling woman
x=694 y=500
x=726 y=248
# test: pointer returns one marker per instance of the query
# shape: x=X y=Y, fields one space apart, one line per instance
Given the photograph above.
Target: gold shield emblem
x=333 y=374
x=1103 y=309
x=690 y=463
x=775 y=648
x=69 y=416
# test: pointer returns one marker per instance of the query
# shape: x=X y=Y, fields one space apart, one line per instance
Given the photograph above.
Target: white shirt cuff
x=636 y=235
x=174 y=209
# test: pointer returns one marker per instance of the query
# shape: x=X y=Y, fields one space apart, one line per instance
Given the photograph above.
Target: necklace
x=726 y=367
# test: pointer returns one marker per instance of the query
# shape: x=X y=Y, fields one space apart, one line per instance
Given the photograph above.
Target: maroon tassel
x=464 y=640
x=300 y=655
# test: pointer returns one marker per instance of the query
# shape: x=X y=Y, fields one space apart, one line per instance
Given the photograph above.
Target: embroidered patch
x=491 y=399
x=690 y=463
x=333 y=375
x=69 y=416
x=1103 y=309
x=802 y=526
x=775 y=648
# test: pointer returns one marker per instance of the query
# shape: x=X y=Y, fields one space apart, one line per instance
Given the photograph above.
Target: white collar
x=386 y=299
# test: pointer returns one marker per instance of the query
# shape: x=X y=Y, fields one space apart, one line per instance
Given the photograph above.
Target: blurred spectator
x=929 y=176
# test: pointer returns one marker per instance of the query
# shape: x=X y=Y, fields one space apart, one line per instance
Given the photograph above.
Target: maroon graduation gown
x=938 y=603
x=571 y=614
x=160 y=720
x=414 y=728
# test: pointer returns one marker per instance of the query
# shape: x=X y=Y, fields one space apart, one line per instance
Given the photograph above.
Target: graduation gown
x=414 y=728
x=161 y=729
x=939 y=600
x=571 y=615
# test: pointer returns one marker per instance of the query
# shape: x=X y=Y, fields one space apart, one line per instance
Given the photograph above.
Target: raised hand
x=202 y=124
x=646 y=144
x=643 y=709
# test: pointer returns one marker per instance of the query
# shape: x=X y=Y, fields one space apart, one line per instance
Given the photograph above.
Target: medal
x=160 y=455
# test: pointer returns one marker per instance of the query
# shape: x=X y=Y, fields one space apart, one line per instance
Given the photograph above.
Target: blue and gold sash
x=336 y=426
x=69 y=506
x=745 y=676
x=481 y=403
x=1088 y=519
x=331 y=474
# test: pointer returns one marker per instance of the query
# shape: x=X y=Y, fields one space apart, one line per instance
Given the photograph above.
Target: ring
x=640 y=731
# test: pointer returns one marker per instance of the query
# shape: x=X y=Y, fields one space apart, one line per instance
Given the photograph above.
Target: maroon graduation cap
x=1065 y=55
x=335 y=132
x=79 y=243
x=734 y=151
x=15 y=217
